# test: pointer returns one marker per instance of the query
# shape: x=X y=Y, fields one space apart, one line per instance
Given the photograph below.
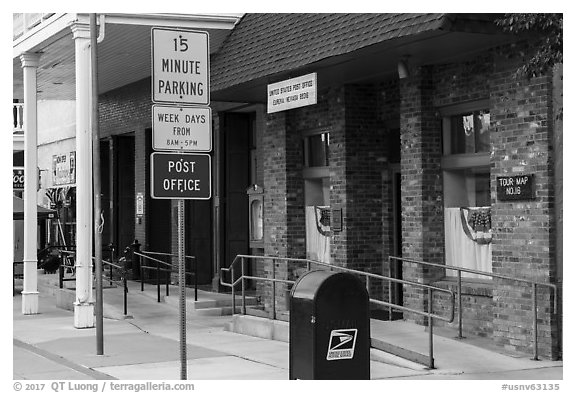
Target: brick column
x=284 y=221
x=422 y=212
x=524 y=231
x=357 y=157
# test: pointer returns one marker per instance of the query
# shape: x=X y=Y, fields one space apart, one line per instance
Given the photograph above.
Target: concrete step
x=209 y=301
x=399 y=351
x=264 y=327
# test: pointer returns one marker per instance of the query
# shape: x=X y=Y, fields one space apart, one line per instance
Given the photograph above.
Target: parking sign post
x=181 y=124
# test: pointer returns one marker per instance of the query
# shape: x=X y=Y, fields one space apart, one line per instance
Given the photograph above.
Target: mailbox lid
x=309 y=284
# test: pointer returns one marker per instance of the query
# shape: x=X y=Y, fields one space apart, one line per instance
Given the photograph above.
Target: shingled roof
x=266 y=44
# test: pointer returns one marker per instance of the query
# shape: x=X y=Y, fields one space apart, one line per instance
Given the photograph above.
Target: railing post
x=158 y=280
x=273 y=289
x=136 y=261
x=242 y=261
x=459 y=304
x=167 y=282
x=233 y=293
x=535 y=321
x=368 y=286
x=61 y=276
x=195 y=280
x=125 y=294
x=430 y=332
x=141 y=278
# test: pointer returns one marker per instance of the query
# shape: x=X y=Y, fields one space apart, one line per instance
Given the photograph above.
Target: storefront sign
x=292 y=93
x=18 y=179
x=183 y=128
x=515 y=188
x=180 y=66
x=64 y=169
x=181 y=176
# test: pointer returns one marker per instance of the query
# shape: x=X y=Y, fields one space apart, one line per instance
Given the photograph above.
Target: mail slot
x=329 y=327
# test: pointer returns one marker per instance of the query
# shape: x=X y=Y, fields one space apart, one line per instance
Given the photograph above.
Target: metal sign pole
x=182 y=287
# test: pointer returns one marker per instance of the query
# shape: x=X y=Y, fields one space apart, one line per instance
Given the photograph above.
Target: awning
x=18 y=212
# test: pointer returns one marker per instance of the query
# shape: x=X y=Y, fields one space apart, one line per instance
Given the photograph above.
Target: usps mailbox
x=329 y=327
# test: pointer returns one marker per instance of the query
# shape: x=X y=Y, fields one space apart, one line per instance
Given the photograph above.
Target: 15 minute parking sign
x=180 y=66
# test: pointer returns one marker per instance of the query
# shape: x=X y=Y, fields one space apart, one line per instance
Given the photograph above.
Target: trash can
x=329 y=327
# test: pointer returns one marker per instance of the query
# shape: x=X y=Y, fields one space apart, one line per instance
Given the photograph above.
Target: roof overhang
x=124 y=56
x=375 y=63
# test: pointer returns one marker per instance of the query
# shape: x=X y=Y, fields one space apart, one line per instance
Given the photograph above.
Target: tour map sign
x=183 y=128
x=180 y=66
x=181 y=176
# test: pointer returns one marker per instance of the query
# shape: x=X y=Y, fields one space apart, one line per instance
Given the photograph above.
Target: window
x=466 y=177
x=316 y=150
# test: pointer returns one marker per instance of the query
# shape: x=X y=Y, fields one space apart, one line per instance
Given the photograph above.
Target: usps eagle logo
x=341 y=344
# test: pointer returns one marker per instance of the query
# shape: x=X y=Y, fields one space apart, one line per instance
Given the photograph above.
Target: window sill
x=470 y=287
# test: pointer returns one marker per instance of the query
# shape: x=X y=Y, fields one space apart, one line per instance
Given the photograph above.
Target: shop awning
x=18 y=211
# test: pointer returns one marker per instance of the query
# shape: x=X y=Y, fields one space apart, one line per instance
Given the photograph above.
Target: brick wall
x=124 y=111
x=524 y=231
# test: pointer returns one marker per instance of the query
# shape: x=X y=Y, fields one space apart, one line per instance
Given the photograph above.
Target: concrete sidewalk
x=145 y=346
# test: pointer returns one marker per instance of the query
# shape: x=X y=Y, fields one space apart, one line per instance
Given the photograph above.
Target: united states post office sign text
x=515 y=188
x=292 y=93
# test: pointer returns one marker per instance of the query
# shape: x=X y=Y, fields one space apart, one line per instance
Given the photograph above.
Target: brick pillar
x=284 y=214
x=524 y=231
x=357 y=157
x=422 y=211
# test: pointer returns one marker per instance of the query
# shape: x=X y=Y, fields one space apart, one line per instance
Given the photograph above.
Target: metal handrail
x=123 y=280
x=461 y=270
x=243 y=277
x=146 y=254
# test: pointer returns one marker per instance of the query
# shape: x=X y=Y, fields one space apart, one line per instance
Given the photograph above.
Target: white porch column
x=84 y=304
x=30 y=291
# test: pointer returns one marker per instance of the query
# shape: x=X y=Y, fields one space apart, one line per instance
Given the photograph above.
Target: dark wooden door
x=237 y=138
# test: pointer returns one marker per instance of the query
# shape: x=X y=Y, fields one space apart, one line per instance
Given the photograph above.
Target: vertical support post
x=430 y=331
x=125 y=293
x=535 y=321
x=182 y=287
x=233 y=290
x=158 y=281
x=99 y=311
x=61 y=276
x=167 y=282
x=196 y=279
x=460 y=304
x=273 y=289
x=243 y=287
x=84 y=304
x=30 y=63
x=368 y=286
